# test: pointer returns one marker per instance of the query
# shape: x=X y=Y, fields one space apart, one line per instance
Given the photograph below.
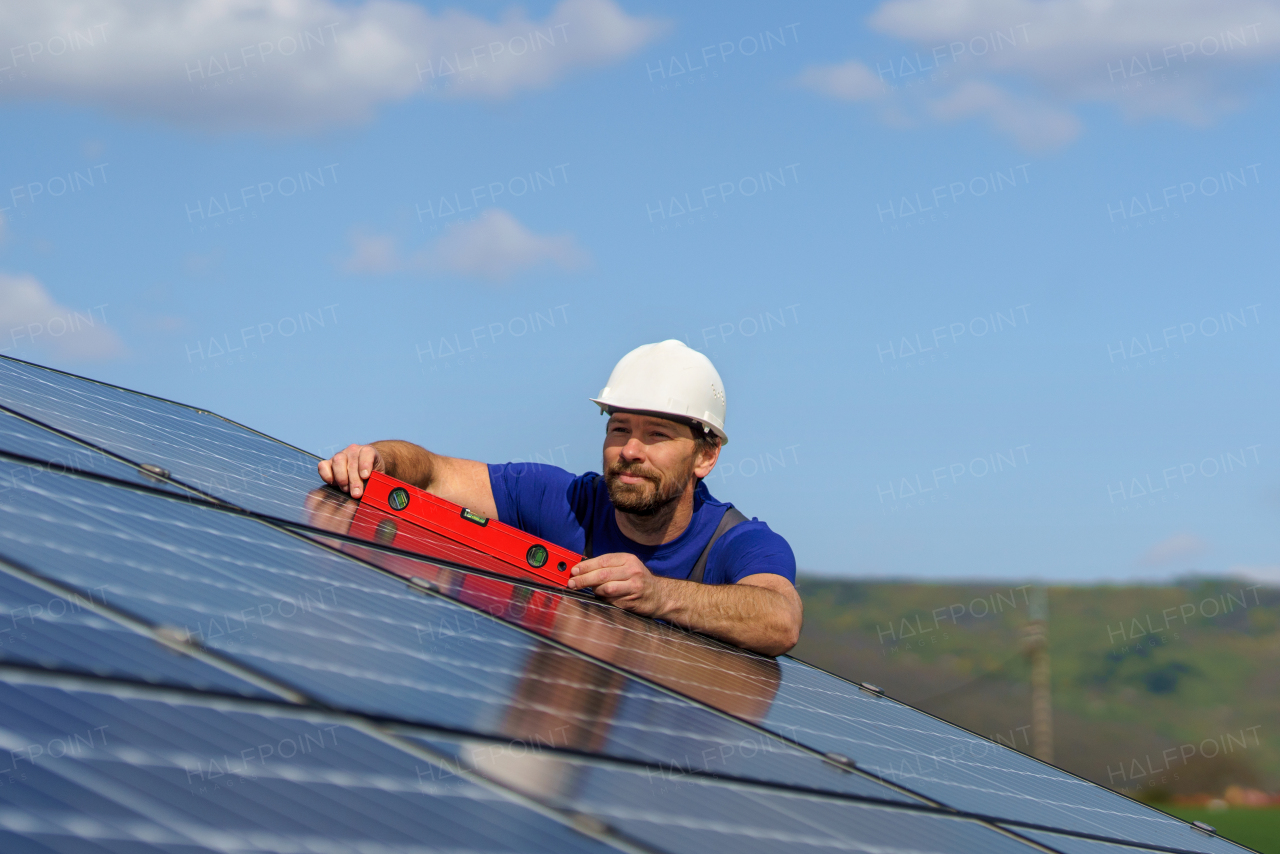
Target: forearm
x=408 y=462
x=464 y=482
x=752 y=617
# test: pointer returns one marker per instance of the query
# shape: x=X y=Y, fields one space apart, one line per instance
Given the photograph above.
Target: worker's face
x=649 y=462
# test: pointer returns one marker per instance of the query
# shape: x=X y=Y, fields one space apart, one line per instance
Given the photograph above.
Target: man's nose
x=633 y=450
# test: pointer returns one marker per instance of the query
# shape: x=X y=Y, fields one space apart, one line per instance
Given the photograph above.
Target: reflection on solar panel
x=175 y=674
x=74 y=632
x=118 y=769
x=199 y=449
x=1077 y=845
x=356 y=639
x=58 y=453
x=885 y=738
x=691 y=814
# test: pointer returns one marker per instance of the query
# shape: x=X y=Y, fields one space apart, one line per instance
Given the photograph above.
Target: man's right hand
x=350 y=468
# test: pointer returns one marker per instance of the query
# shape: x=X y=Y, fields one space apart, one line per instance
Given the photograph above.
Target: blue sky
x=991 y=285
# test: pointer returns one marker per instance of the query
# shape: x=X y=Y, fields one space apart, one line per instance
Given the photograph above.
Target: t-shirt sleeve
x=749 y=548
x=535 y=498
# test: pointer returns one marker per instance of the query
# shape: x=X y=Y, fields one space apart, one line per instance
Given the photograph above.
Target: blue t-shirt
x=557 y=505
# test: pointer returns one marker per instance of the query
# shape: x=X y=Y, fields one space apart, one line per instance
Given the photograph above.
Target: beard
x=650 y=497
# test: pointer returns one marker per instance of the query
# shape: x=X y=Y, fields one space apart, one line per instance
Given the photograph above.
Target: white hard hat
x=667 y=378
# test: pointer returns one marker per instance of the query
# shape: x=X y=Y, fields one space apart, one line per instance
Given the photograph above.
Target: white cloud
x=1032 y=124
x=847 y=81
x=32 y=322
x=494 y=246
x=1177 y=548
x=1268 y=575
x=372 y=254
x=1188 y=60
x=290 y=65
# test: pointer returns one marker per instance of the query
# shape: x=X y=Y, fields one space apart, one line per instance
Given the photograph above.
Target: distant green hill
x=1156 y=690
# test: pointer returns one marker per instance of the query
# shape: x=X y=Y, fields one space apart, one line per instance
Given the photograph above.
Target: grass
x=1257 y=828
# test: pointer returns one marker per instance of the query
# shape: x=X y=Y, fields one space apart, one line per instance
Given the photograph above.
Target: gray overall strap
x=731 y=517
x=587 y=551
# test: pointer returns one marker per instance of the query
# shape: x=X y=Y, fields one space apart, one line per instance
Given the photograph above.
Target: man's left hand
x=620 y=579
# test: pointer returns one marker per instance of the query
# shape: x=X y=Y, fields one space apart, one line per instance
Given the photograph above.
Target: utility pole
x=1035 y=645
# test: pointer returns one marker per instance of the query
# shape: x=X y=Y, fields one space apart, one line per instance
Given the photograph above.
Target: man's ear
x=705 y=459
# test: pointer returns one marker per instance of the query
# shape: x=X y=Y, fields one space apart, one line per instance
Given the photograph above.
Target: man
x=649 y=523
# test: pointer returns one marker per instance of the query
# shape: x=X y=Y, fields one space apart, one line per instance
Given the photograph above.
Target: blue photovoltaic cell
x=689 y=815
x=40 y=629
x=959 y=769
x=361 y=640
x=200 y=450
x=886 y=738
x=20 y=436
x=109 y=770
x=1075 y=845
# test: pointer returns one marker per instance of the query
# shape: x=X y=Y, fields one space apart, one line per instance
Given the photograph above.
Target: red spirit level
x=548 y=562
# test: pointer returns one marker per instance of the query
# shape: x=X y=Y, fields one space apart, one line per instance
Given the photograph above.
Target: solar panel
x=961 y=769
x=25 y=438
x=1078 y=845
x=356 y=639
x=734 y=681
x=103 y=769
x=688 y=814
x=69 y=632
x=199 y=449
x=885 y=738
x=591 y=700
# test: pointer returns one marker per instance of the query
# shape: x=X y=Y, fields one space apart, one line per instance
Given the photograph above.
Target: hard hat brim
x=606 y=407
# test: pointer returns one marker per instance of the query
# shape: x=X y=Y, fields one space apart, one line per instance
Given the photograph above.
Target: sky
x=991 y=284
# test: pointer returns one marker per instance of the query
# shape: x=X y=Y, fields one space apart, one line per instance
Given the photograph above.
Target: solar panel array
x=198 y=653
